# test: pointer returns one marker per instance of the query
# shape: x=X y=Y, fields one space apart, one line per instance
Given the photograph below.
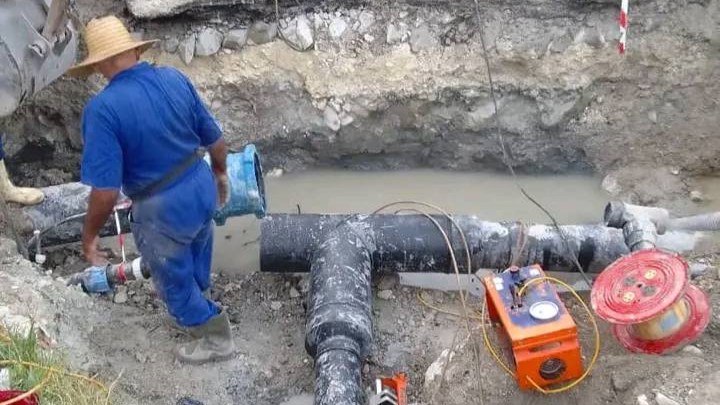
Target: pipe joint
x=640 y=234
x=640 y=225
x=617 y=214
x=340 y=342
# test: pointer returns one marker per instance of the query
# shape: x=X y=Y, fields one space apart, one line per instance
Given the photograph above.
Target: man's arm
x=101 y=169
x=100 y=207
x=218 y=158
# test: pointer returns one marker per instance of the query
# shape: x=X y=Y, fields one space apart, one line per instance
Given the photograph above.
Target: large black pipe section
x=339 y=322
x=413 y=243
x=60 y=215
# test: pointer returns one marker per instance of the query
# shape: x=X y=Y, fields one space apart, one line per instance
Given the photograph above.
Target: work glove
x=223 y=187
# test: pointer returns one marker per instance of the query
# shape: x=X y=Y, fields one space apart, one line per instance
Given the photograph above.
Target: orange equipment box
x=542 y=333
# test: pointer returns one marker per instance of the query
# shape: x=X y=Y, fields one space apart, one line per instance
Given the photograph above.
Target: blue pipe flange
x=247 y=186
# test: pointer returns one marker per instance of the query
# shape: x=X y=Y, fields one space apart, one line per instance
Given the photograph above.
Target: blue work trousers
x=2 y=151
x=173 y=232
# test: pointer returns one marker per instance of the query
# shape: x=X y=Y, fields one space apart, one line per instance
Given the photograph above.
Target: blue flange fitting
x=247 y=187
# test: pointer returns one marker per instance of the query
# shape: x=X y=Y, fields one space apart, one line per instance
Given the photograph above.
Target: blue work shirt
x=144 y=123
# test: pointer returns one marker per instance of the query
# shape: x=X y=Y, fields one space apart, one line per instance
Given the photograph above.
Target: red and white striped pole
x=623 y=22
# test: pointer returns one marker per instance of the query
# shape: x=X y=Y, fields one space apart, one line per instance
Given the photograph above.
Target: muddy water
x=571 y=199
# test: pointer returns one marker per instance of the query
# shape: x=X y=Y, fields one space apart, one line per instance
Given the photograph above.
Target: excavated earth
x=389 y=85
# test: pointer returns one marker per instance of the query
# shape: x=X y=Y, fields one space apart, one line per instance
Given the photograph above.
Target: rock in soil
x=331 y=118
x=262 y=32
x=337 y=27
x=235 y=39
x=299 y=32
x=696 y=196
x=385 y=294
x=121 y=295
x=366 y=20
x=692 y=350
x=186 y=49
x=171 y=45
x=421 y=39
x=395 y=33
x=208 y=42
x=663 y=399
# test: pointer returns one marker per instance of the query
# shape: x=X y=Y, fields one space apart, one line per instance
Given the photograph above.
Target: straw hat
x=106 y=37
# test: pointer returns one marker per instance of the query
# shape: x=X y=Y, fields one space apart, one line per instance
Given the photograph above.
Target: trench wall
x=392 y=84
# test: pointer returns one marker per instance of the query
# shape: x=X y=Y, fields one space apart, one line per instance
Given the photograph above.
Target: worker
x=144 y=134
x=8 y=191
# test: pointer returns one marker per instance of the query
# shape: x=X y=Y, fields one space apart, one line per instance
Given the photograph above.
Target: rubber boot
x=20 y=195
x=215 y=342
x=172 y=324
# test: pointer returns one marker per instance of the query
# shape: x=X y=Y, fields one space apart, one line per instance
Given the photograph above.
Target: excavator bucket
x=38 y=43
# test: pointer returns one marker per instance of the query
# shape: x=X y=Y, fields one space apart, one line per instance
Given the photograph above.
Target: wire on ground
x=465 y=316
x=506 y=156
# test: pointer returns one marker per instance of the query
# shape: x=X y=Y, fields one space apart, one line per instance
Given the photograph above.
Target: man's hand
x=93 y=255
x=218 y=157
x=223 y=187
x=100 y=207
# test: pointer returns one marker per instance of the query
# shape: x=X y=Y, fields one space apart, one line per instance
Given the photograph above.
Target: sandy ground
x=130 y=337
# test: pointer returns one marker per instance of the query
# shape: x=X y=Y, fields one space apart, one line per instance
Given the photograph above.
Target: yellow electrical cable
x=489 y=346
x=596 y=353
x=444 y=311
x=464 y=317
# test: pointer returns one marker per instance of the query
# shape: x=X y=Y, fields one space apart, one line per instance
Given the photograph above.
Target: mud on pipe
x=338 y=332
x=413 y=243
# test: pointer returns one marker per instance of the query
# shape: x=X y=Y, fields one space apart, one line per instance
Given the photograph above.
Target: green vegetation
x=33 y=367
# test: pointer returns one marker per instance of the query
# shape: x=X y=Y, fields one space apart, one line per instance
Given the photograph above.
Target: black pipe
x=339 y=323
x=413 y=243
x=60 y=216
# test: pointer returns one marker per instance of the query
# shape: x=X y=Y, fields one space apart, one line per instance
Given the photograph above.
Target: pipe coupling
x=640 y=234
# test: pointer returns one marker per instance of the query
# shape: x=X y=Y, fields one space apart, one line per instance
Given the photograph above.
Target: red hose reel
x=648 y=298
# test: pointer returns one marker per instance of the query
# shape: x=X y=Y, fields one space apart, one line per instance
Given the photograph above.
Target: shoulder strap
x=171 y=176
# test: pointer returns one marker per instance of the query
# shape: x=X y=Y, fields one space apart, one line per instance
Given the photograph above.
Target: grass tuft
x=30 y=365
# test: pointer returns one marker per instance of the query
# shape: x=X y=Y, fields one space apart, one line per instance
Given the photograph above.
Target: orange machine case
x=534 y=341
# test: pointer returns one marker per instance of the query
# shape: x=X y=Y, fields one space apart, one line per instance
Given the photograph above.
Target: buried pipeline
x=341 y=252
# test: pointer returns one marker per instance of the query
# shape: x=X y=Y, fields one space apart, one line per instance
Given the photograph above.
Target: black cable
x=506 y=157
